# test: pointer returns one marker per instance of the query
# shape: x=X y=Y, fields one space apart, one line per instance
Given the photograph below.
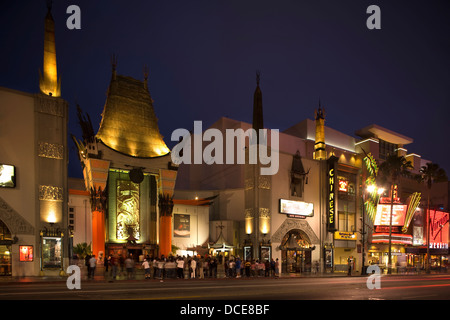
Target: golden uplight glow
x=51 y=211
x=249 y=225
x=264 y=225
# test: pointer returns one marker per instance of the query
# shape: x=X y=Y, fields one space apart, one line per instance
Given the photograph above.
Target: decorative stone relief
x=264 y=212
x=249 y=213
x=14 y=221
x=249 y=184
x=51 y=193
x=290 y=224
x=50 y=150
x=49 y=105
x=264 y=182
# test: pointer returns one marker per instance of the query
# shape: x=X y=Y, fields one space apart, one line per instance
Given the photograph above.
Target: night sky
x=202 y=58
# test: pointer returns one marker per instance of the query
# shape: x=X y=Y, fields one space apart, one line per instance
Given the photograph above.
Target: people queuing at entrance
x=188 y=267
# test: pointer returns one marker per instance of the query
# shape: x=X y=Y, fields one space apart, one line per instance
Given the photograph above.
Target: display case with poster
x=181 y=225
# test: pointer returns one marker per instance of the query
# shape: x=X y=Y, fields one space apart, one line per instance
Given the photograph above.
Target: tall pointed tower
x=319 y=146
x=49 y=84
x=258 y=122
x=257 y=190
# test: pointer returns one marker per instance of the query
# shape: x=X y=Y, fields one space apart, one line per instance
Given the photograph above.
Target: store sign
x=343 y=185
x=331 y=207
x=343 y=235
x=296 y=209
x=439 y=229
x=383 y=215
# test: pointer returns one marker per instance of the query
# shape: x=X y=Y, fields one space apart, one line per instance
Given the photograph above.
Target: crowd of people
x=185 y=267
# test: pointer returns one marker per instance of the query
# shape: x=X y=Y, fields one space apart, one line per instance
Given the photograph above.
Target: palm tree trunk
x=390 y=231
x=427 y=215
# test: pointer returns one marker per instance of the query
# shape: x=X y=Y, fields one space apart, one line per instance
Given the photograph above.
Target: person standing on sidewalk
x=238 y=267
x=161 y=263
x=129 y=265
x=107 y=263
x=272 y=267
x=199 y=267
x=114 y=265
x=180 y=268
x=247 y=266
x=193 y=268
x=317 y=267
x=277 y=269
x=92 y=265
x=146 y=267
x=349 y=265
x=267 y=268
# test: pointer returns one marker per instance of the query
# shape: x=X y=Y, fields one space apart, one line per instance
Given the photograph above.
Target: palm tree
x=430 y=174
x=82 y=250
x=390 y=171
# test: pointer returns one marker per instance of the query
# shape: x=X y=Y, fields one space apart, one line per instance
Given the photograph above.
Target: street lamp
x=370 y=189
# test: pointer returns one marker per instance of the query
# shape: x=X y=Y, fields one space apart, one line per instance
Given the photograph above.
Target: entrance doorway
x=295 y=252
x=5 y=250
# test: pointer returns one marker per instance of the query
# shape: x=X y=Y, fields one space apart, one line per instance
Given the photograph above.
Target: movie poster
x=181 y=225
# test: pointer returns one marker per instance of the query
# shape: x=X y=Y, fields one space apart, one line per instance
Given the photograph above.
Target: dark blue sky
x=202 y=57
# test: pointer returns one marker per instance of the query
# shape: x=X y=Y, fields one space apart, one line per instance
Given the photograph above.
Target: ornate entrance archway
x=5 y=250
x=295 y=252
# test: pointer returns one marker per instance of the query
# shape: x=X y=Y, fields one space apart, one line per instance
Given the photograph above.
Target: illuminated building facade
x=310 y=212
x=128 y=173
x=33 y=174
x=409 y=227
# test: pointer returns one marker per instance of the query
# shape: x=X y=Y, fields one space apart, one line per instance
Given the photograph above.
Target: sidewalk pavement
x=102 y=276
x=139 y=276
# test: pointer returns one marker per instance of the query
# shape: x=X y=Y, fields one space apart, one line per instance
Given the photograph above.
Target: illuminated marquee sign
x=296 y=209
x=331 y=209
x=396 y=238
x=383 y=215
x=438 y=229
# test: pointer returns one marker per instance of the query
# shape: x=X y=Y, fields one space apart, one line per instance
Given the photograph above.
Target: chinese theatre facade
x=128 y=171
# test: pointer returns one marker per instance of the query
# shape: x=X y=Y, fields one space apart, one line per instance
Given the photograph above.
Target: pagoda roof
x=129 y=124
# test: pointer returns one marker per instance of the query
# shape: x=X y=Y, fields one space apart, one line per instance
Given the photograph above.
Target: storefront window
x=346 y=201
x=5 y=260
x=51 y=252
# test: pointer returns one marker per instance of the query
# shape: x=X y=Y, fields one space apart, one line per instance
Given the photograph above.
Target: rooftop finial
x=114 y=65
x=145 y=75
x=49 y=84
x=258 y=77
x=320 y=112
